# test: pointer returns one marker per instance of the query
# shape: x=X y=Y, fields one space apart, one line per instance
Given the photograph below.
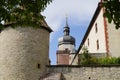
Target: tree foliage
x=85 y=56
x=22 y=12
x=102 y=61
x=87 y=59
x=112 y=11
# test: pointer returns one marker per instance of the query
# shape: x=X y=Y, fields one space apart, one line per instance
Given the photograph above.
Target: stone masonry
x=95 y=72
x=23 y=53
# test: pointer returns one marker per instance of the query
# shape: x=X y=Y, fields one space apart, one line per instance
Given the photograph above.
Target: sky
x=79 y=13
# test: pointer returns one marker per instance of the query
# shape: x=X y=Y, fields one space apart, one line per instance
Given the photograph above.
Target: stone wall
x=87 y=72
x=23 y=53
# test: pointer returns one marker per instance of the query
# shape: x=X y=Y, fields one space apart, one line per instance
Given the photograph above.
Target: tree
x=22 y=12
x=112 y=11
x=85 y=56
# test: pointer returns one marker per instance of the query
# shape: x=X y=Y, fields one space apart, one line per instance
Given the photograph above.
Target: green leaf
x=23 y=12
x=112 y=11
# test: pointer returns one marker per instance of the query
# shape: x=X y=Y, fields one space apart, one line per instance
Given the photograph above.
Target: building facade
x=95 y=38
x=101 y=38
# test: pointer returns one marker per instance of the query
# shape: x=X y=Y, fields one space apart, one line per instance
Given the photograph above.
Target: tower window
x=96 y=28
x=38 y=66
x=97 y=44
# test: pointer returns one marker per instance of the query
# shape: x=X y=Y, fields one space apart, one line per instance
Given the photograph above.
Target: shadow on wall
x=62 y=77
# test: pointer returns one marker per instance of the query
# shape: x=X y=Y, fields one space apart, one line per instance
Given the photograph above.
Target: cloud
x=80 y=10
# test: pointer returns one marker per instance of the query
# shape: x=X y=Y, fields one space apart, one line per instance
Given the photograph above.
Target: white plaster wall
x=64 y=46
x=71 y=56
x=93 y=36
x=21 y=50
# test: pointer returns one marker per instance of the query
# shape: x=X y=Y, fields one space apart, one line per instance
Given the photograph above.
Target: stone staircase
x=52 y=76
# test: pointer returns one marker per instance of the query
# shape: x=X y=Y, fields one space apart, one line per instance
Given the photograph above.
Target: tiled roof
x=43 y=24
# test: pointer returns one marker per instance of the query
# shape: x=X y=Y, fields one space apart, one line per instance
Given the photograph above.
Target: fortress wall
x=23 y=53
x=87 y=73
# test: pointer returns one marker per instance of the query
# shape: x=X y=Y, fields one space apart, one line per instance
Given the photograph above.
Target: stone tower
x=24 y=52
x=66 y=47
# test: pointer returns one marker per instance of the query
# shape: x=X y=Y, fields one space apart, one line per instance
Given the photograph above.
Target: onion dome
x=66 y=38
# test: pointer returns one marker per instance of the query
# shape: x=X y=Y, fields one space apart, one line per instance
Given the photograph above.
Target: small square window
x=39 y=66
x=89 y=77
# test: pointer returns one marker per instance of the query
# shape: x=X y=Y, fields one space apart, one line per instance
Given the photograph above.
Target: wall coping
x=78 y=66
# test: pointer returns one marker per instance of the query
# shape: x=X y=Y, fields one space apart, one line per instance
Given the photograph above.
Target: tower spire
x=66 y=28
x=66 y=20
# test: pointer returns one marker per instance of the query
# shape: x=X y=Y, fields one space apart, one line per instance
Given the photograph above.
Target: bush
x=87 y=59
x=118 y=60
x=107 y=60
x=101 y=61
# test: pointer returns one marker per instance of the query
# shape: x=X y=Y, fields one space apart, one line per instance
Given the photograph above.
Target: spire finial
x=66 y=28
x=66 y=20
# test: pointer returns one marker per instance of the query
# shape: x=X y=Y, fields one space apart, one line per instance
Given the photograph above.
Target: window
x=97 y=44
x=88 y=42
x=89 y=77
x=96 y=28
x=38 y=66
